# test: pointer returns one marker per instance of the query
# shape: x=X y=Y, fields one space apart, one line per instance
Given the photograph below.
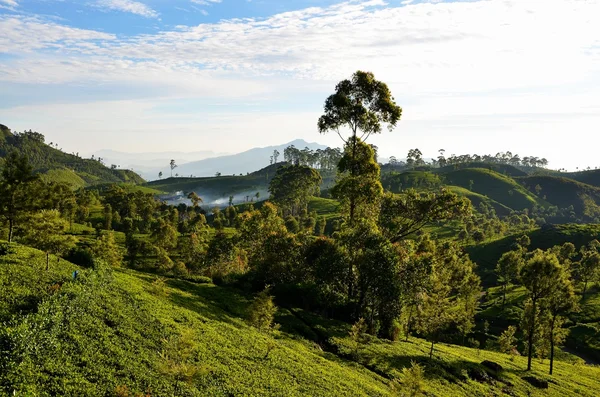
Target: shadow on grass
x=388 y=365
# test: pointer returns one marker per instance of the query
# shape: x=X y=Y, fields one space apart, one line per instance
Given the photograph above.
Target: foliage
x=107 y=250
x=261 y=312
x=363 y=104
x=292 y=186
x=507 y=340
x=45 y=230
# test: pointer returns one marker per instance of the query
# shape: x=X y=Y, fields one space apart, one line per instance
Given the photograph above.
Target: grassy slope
x=496 y=186
x=105 y=331
x=64 y=175
x=564 y=192
x=57 y=165
x=504 y=169
x=477 y=198
x=590 y=177
x=486 y=255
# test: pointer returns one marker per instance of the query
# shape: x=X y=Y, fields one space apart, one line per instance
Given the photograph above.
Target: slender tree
x=362 y=104
x=560 y=303
x=507 y=270
x=539 y=275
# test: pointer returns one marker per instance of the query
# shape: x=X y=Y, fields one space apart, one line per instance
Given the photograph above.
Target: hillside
x=564 y=192
x=486 y=255
x=122 y=332
x=504 y=169
x=497 y=187
x=57 y=166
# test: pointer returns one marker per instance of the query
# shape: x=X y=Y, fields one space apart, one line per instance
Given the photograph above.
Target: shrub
x=5 y=249
x=179 y=269
x=81 y=256
x=412 y=379
x=507 y=340
x=262 y=311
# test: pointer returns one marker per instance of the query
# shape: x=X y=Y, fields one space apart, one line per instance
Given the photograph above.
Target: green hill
x=589 y=177
x=123 y=332
x=476 y=199
x=504 y=169
x=497 y=187
x=221 y=187
x=564 y=192
x=486 y=255
x=57 y=166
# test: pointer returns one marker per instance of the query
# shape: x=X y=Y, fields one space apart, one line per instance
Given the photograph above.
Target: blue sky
x=476 y=76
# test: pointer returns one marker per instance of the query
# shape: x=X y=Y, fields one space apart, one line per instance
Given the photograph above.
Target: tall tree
x=362 y=104
x=358 y=186
x=561 y=302
x=173 y=166
x=16 y=185
x=588 y=268
x=539 y=275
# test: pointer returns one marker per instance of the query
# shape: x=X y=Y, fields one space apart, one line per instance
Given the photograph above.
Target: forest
x=458 y=275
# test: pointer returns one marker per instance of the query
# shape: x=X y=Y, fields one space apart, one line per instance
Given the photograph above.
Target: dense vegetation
x=448 y=278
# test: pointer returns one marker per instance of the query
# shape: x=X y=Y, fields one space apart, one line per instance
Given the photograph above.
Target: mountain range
x=199 y=164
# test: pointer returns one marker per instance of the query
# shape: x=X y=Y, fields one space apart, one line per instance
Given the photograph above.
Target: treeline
x=323 y=159
x=414 y=158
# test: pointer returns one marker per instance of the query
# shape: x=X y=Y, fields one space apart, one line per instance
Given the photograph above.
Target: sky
x=481 y=76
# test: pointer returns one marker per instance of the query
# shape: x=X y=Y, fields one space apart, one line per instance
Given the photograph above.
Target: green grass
x=327 y=208
x=64 y=175
x=106 y=330
x=504 y=169
x=476 y=199
x=500 y=188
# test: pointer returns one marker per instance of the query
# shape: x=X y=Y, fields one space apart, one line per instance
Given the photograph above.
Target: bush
x=5 y=249
x=82 y=257
x=262 y=311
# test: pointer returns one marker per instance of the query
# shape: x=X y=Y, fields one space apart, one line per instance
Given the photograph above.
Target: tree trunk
x=584 y=289
x=47 y=261
x=350 y=281
x=408 y=323
x=504 y=295
x=431 y=350
x=551 y=347
x=530 y=338
x=10 y=229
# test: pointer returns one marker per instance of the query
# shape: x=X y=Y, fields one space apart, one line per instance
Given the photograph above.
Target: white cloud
x=27 y=34
x=134 y=7
x=10 y=3
x=205 y=2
